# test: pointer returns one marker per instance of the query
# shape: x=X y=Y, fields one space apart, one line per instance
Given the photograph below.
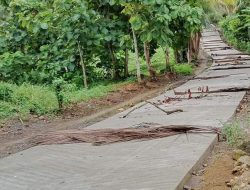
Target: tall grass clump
x=25 y=99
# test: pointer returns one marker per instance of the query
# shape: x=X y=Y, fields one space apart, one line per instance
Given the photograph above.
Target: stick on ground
x=167 y=112
x=127 y=114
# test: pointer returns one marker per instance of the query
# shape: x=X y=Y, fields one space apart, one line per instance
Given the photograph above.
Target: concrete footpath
x=159 y=164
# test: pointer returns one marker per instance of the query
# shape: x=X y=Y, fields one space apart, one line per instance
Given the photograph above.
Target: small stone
x=237 y=170
x=200 y=172
x=242 y=185
x=238 y=153
x=240 y=169
x=204 y=165
x=194 y=173
x=42 y=117
x=233 y=182
x=228 y=184
x=244 y=160
x=186 y=188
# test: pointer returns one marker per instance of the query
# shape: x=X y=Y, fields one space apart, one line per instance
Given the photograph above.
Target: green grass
x=183 y=69
x=234 y=133
x=7 y=110
x=73 y=95
x=20 y=101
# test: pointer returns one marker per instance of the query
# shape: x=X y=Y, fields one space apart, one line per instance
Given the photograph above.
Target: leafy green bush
x=236 y=29
x=14 y=67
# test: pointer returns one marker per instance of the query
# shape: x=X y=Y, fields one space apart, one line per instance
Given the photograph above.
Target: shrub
x=5 y=92
x=235 y=29
x=7 y=110
x=183 y=69
x=234 y=133
x=25 y=99
x=159 y=60
x=35 y=99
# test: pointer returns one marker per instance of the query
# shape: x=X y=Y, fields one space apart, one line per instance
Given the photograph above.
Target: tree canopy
x=49 y=39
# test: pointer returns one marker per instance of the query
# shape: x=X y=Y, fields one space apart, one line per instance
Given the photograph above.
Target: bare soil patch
x=215 y=172
x=219 y=172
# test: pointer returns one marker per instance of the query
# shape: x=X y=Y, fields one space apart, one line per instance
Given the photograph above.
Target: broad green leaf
x=44 y=26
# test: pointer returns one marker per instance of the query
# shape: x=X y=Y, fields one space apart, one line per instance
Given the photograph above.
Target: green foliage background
x=236 y=28
x=41 y=41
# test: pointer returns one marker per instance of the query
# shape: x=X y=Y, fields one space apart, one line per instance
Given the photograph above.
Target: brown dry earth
x=15 y=135
x=219 y=170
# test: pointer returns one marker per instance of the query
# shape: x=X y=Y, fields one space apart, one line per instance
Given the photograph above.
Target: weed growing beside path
x=20 y=101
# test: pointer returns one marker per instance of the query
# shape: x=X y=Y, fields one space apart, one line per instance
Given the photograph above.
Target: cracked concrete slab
x=153 y=165
x=217 y=84
x=230 y=72
x=201 y=112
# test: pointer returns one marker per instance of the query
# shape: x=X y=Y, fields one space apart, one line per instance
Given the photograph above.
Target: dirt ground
x=14 y=134
x=216 y=171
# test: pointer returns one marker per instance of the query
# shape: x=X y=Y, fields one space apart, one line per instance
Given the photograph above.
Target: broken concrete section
x=211 y=110
x=155 y=164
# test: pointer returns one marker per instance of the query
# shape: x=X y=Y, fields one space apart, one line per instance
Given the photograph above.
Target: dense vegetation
x=236 y=27
x=233 y=17
x=50 y=50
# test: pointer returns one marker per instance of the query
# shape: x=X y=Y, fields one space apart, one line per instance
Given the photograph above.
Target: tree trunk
x=126 y=74
x=151 y=71
x=167 y=59
x=83 y=67
x=176 y=56
x=193 y=46
x=189 y=52
x=116 y=74
x=197 y=44
x=138 y=69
